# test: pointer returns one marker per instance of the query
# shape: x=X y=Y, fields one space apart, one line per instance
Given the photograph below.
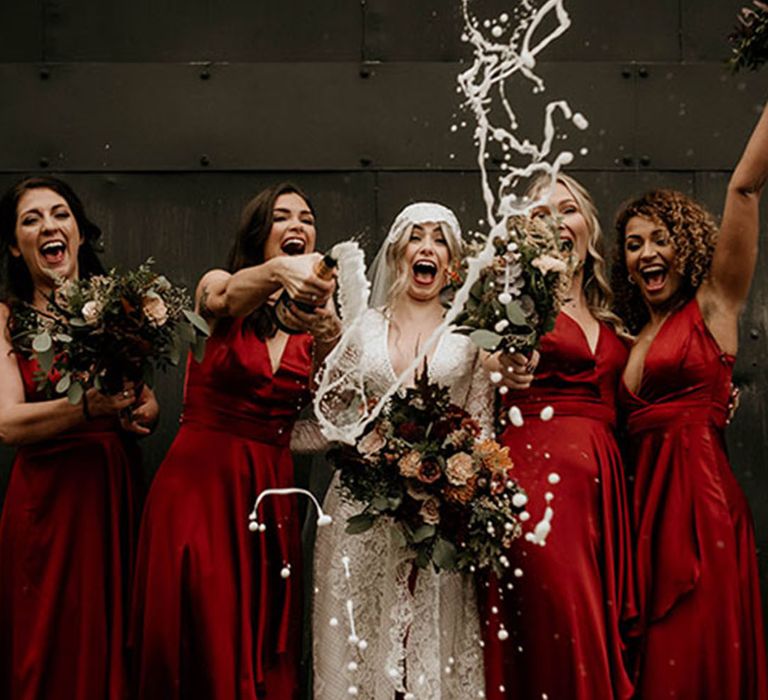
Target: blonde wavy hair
x=597 y=289
x=693 y=235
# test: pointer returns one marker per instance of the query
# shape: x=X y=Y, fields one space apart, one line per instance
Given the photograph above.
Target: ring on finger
x=125 y=394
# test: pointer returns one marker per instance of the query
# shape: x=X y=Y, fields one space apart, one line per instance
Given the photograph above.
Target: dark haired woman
x=684 y=285
x=70 y=512
x=213 y=616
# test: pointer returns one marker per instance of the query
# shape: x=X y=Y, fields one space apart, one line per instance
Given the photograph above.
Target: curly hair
x=597 y=289
x=693 y=234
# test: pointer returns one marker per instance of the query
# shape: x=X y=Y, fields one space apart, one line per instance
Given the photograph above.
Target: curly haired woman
x=682 y=285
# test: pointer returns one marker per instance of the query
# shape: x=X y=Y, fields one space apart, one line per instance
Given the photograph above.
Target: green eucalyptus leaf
x=75 y=392
x=359 y=523
x=198 y=349
x=380 y=503
x=424 y=533
x=398 y=538
x=63 y=338
x=198 y=322
x=45 y=360
x=487 y=340
x=42 y=342
x=515 y=314
x=444 y=554
x=63 y=384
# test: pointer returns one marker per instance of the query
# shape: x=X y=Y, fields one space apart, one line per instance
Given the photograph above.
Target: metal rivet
x=205 y=161
x=626 y=73
x=642 y=72
x=44 y=162
x=754 y=334
x=365 y=162
x=365 y=72
x=45 y=73
x=645 y=161
x=205 y=74
x=629 y=161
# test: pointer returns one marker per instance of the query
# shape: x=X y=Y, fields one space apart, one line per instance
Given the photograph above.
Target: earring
x=631 y=279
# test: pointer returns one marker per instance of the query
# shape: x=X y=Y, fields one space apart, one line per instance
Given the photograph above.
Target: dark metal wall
x=166 y=115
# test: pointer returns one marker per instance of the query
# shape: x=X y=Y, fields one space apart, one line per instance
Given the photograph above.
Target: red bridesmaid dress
x=563 y=614
x=67 y=537
x=213 y=618
x=701 y=624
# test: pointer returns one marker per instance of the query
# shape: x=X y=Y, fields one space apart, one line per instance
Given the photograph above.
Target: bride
x=418 y=632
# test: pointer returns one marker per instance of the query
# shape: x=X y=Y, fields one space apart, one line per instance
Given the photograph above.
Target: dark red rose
x=410 y=431
x=429 y=471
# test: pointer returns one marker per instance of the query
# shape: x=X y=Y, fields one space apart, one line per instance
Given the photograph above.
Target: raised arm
x=221 y=294
x=733 y=264
x=22 y=423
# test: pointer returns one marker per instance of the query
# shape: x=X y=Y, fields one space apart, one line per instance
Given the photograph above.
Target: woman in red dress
x=67 y=531
x=553 y=632
x=213 y=618
x=683 y=285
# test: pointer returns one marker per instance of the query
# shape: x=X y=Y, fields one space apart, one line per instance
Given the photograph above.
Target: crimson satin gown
x=67 y=538
x=213 y=618
x=563 y=614
x=701 y=622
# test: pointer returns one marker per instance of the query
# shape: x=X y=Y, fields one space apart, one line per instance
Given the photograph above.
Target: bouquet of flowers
x=421 y=464
x=750 y=38
x=517 y=297
x=99 y=332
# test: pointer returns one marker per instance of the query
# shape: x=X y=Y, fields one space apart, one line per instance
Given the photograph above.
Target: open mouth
x=424 y=272
x=53 y=252
x=566 y=245
x=654 y=277
x=293 y=246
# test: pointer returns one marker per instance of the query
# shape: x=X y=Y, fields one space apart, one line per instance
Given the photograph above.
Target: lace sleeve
x=307 y=438
x=480 y=399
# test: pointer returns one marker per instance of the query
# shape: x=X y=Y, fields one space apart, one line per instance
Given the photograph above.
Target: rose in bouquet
x=104 y=330
x=749 y=41
x=422 y=465
x=517 y=297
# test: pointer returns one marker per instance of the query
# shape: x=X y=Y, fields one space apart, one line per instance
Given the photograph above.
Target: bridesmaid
x=563 y=616
x=212 y=617
x=686 y=284
x=67 y=531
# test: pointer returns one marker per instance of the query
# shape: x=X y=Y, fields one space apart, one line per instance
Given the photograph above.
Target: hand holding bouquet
x=450 y=494
x=108 y=329
x=516 y=299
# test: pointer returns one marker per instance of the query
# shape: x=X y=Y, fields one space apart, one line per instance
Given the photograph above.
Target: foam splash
x=254 y=525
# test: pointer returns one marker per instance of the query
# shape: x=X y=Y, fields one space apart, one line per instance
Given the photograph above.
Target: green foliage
x=108 y=329
x=749 y=40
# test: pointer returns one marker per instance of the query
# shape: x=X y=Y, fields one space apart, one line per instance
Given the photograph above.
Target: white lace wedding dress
x=424 y=644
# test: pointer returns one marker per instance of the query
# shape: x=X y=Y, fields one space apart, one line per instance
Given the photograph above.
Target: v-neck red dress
x=701 y=623
x=563 y=614
x=213 y=618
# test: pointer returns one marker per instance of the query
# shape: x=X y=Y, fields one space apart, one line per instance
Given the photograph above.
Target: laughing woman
x=212 y=617
x=684 y=285
x=67 y=531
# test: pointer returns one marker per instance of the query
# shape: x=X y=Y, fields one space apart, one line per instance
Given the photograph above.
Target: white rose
x=549 y=263
x=91 y=312
x=155 y=310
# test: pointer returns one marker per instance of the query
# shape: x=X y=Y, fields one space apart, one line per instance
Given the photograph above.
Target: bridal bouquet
x=518 y=295
x=749 y=40
x=106 y=329
x=421 y=464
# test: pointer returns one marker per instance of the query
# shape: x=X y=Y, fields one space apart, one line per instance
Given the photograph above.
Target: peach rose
x=459 y=468
x=154 y=310
x=430 y=511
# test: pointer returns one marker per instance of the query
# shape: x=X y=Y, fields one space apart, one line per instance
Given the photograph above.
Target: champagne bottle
x=324 y=270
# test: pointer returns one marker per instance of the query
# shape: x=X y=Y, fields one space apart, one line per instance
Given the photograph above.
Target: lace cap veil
x=383 y=270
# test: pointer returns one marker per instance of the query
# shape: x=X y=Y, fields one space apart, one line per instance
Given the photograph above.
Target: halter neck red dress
x=67 y=537
x=563 y=614
x=213 y=618
x=701 y=623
